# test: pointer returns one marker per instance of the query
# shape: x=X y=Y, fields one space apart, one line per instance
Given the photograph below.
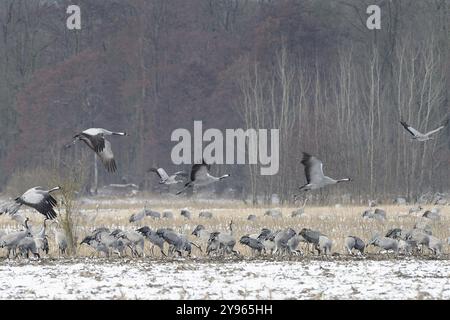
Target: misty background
x=310 y=68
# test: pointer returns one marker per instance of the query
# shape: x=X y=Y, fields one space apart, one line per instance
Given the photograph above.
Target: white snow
x=190 y=279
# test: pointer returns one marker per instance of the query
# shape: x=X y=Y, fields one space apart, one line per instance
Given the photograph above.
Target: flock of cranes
x=32 y=242
x=282 y=242
x=104 y=240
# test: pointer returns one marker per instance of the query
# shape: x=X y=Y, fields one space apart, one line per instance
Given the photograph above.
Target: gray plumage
x=153 y=237
x=201 y=232
x=12 y=240
x=367 y=214
x=274 y=213
x=41 y=239
x=172 y=238
x=61 y=240
x=153 y=214
x=297 y=213
x=134 y=240
x=110 y=241
x=205 y=215
x=424 y=224
x=42 y=244
x=434 y=245
x=265 y=234
x=175 y=178
x=377 y=214
x=407 y=246
x=144 y=213
x=373 y=203
x=380 y=212
x=177 y=243
x=115 y=233
x=200 y=176
x=415 y=209
x=96 y=245
x=324 y=245
x=96 y=141
x=310 y=236
x=384 y=243
x=12 y=208
x=314 y=174
x=27 y=246
x=425 y=239
x=221 y=243
x=417 y=135
x=395 y=233
x=431 y=215
x=281 y=241
x=186 y=213
x=167 y=214
x=213 y=244
x=114 y=242
x=37 y=198
x=186 y=245
x=101 y=229
x=266 y=237
x=400 y=201
x=103 y=241
x=354 y=243
x=253 y=244
x=19 y=218
x=419 y=236
x=293 y=244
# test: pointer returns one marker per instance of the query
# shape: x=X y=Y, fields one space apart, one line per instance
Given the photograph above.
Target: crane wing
x=199 y=171
x=107 y=157
x=313 y=168
x=155 y=170
x=181 y=173
x=11 y=208
x=95 y=142
x=410 y=129
x=163 y=174
x=435 y=130
x=31 y=196
x=40 y=200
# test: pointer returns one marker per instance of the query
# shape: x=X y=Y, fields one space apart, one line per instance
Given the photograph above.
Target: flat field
x=339 y=276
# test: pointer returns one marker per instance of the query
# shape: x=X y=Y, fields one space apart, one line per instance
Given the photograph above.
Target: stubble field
x=89 y=276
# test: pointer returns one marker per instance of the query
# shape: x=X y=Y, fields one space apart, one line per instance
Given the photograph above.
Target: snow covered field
x=190 y=279
x=199 y=277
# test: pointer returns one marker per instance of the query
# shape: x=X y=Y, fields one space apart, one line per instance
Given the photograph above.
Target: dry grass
x=335 y=222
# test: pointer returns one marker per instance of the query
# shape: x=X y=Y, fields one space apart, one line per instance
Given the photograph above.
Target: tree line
x=309 y=68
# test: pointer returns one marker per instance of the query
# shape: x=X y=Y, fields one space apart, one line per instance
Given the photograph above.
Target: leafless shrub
x=71 y=177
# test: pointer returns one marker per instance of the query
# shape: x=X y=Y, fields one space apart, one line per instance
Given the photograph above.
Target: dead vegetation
x=335 y=222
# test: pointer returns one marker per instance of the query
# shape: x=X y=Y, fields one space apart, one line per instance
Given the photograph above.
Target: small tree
x=71 y=178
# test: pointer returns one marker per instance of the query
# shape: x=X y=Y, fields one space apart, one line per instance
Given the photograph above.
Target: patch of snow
x=186 y=279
